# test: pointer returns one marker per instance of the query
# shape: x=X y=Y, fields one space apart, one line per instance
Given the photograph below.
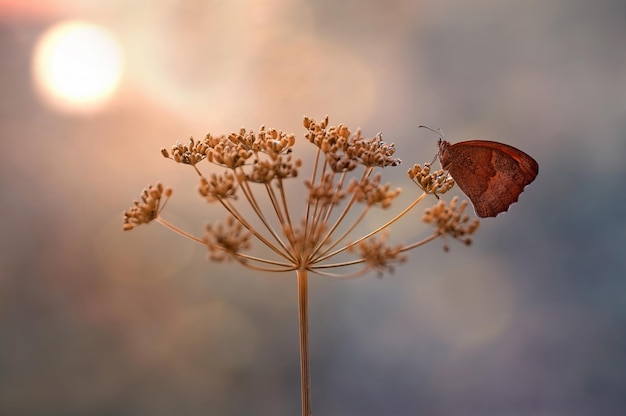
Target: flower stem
x=303 y=315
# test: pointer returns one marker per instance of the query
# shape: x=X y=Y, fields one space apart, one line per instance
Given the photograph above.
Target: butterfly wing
x=491 y=174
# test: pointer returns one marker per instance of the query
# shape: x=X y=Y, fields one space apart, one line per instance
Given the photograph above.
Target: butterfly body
x=491 y=174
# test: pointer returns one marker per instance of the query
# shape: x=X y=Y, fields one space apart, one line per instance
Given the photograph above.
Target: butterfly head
x=443 y=144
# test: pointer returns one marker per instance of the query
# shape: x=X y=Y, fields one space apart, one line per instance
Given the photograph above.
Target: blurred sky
x=530 y=320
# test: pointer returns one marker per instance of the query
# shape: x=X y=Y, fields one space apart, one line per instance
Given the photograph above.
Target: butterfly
x=491 y=174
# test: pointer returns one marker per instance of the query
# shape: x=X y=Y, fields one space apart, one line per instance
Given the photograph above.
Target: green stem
x=303 y=315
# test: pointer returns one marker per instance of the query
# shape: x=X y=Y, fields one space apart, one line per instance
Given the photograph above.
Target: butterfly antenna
x=438 y=132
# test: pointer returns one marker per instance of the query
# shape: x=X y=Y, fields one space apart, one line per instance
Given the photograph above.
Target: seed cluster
x=372 y=192
x=225 y=239
x=344 y=151
x=451 y=220
x=379 y=255
x=435 y=183
x=146 y=210
x=218 y=187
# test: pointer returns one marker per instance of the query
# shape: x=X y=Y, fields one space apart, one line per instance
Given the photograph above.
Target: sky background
x=529 y=320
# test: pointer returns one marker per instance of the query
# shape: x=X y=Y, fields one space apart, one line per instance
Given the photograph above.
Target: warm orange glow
x=26 y=9
x=77 y=66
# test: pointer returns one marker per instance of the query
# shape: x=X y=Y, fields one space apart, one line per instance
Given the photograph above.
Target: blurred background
x=530 y=320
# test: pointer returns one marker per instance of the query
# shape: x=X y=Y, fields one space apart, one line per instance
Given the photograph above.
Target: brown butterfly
x=491 y=174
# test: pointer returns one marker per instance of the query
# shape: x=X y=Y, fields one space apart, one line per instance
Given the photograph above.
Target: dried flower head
x=228 y=151
x=254 y=168
x=218 y=187
x=225 y=240
x=189 y=154
x=379 y=255
x=372 y=192
x=278 y=167
x=435 y=183
x=344 y=151
x=148 y=209
x=451 y=220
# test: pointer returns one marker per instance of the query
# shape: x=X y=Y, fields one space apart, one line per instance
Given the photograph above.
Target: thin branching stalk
x=344 y=275
x=179 y=230
x=338 y=189
x=313 y=177
x=247 y=191
x=322 y=256
x=379 y=229
x=303 y=320
x=283 y=198
x=348 y=206
x=419 y=243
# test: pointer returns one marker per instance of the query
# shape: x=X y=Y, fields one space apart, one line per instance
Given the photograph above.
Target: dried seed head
x=276 y=142
x=344 y=152
x=218 y=187
x=371 y=191
x=228 y=152
x=451 y=220
x=374 y=151
x=379 y=255
x=436 y=183
x=309 y=123
x=146 y=210
x=265 y=157
x=189 y=154
x=225 y=240
x=271 y=142
x=340 y=162
x=280 y=167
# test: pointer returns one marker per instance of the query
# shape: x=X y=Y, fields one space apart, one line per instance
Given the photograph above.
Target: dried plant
x=341 y=190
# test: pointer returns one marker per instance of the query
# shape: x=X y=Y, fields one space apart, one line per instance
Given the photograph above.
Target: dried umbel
x=146 y=210
x=255 y=165
x=451 y=220
x=329 y=236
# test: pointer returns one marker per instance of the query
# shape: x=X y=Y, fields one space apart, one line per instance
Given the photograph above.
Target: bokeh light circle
x=77 y=66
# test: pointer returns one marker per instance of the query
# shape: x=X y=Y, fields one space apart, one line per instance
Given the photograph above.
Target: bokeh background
x=530 y=320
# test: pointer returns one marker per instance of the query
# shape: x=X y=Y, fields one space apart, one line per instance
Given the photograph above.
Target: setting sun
x=77 y=66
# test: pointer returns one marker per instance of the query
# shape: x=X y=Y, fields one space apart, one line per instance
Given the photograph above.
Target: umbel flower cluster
x=344 y=185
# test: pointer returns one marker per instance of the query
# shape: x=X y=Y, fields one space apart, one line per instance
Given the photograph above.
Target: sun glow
x=77 y=66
